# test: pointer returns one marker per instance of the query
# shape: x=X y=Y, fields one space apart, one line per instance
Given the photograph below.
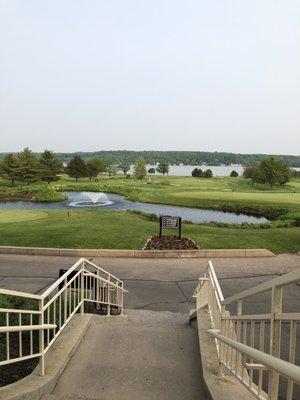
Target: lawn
x=111 y=229
x=126 y=230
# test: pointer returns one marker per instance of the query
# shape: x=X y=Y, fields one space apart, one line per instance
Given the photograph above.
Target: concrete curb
x=34 y=386
x=217 y=253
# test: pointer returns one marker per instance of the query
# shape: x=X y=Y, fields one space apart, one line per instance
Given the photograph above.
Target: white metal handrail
x=288 y=370
x=51 y=311
x=257 y=336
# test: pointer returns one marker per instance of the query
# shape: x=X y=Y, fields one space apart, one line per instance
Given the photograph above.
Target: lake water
x=186 y=170
x=119 y=203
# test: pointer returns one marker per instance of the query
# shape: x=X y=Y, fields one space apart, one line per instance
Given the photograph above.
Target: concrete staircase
x=145 y=355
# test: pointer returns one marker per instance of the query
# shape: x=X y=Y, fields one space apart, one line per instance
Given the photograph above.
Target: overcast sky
x=215 y=75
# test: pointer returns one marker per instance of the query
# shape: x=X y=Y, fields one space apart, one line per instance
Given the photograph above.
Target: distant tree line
x=178 y=157
x=28 y=167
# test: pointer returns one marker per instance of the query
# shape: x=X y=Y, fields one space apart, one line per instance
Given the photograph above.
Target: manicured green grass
x=111 y=229
x=12 y=216
x=125 y=230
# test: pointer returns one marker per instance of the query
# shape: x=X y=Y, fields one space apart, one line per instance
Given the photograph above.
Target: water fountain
x=88 y=199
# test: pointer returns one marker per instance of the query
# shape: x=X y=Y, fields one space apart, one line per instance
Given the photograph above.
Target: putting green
x=8 y=216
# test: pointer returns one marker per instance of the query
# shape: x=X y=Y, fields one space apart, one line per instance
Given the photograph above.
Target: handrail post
x=122 y=298
x=275 y=340
x=41 y=337
x=108 y=296
x=82 y=289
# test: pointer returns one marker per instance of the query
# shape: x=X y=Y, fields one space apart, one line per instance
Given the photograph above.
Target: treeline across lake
x=177 y=157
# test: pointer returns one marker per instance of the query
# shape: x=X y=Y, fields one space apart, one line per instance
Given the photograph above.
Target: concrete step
x=147 y=355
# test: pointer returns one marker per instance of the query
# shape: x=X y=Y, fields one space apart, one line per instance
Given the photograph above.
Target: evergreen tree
x=8 y=168
x=50 y=166
x=208 y=173
x=197 y=173
x=76 y=168
x=28 y=166
x=140 y=170
x=234 y=174
x=163 y=168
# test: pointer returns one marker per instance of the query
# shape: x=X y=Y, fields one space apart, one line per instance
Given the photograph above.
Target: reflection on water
x=119 y=203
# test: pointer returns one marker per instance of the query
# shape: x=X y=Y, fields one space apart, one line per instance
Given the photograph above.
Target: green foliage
x=271 y=171
x=91 y=170
x=50 y=166
x=140 y=170
x=234 y=174
x=77 y=168
x=28 y=167
x=179 y=157
x=197 y=173
x=99 y=163
x=8 y=168
x=163 y=168
x=208 y=173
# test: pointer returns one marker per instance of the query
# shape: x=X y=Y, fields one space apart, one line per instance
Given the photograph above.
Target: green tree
x=234 y=174
x=151 y=170
x=8 y=168
x=271 y=172
x=28 y=167
x=124 y=167
x=99 y=163
x=140 y=170
x=76 y=168
x=208 y=173
x=50 y=166
x=163 y=168
x=197 y=173
x=91 y=170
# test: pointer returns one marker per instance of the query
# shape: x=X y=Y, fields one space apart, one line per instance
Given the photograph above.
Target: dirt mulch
x=156 y=242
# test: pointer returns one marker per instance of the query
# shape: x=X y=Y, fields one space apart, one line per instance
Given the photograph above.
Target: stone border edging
x=209 y=253
x=34 y=386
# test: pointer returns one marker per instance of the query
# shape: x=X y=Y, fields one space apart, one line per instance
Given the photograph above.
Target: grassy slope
x=125 y=230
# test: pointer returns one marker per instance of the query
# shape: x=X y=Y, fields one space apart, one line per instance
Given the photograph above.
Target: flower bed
x=156 y=242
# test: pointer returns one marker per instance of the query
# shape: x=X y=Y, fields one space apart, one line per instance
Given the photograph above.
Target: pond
x=88 y=200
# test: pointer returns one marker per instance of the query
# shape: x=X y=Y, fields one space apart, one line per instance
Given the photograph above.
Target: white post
x=41 y=338
x=108 y=296
x=82 y=289
x=275 y=339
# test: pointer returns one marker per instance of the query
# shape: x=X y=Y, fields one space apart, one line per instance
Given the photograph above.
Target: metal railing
x=46 y=315
x=251 y=345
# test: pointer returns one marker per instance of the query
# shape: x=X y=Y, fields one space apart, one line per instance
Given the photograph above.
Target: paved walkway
x=148 y=355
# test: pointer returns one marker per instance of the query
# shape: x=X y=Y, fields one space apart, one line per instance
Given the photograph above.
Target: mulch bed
x=156 y=242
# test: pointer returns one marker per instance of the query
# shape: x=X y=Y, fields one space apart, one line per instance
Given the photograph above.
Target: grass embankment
x=126 y=230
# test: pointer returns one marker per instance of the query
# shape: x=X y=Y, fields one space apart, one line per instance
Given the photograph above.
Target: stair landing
x=145 y=356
